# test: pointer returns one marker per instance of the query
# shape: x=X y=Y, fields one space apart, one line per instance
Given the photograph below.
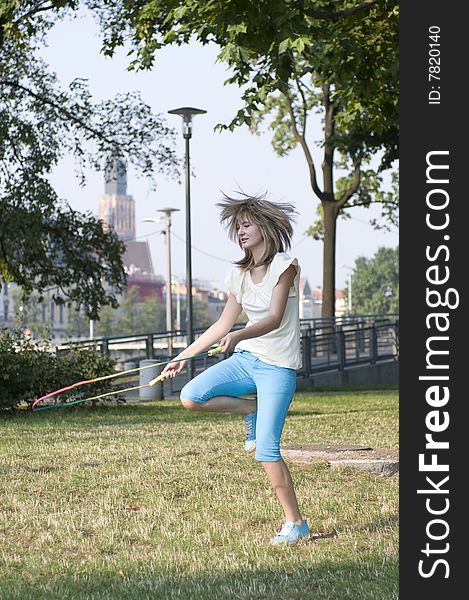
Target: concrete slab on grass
x=383 y=462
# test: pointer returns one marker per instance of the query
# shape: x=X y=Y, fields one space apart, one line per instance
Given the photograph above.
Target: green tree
x=132 y=317
x=375 y=282
x=78 y=325
x=293 y=59
x=261 y=41
x=200 y=315
x=127 y=319
x=43 y=242
x=106 y=325
x=291 y=112
x=152 y=316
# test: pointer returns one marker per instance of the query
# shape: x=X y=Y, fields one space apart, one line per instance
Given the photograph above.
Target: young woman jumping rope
x=266 y=352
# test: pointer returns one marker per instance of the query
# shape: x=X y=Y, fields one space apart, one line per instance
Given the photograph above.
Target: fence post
x=360 y=336
x=313 y=343
x=340 y=342
x=307 y=352
x=149 y=346
x=105 y=346
x=373 y=345
x=396 y=342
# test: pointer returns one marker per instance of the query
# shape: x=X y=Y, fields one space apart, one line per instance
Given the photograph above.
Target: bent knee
x=190 y=404
x=267 y=453
x=265 y=457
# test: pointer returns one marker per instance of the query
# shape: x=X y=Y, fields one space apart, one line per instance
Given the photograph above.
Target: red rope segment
x=160 y=377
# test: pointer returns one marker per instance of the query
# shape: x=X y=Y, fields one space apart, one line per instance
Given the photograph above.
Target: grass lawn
x=148 y=501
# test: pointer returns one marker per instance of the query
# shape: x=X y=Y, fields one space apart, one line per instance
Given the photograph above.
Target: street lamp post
x=178 y=303
x=349 y=298
x=187 y=113
x=169 y=305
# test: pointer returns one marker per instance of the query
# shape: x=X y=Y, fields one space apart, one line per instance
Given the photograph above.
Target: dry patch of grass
x=148 y=501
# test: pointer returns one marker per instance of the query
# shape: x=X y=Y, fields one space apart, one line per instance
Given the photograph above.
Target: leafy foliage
x=43 y=242
x=30 y=370
x=353 y=45
x=369 y=192
x=292 y=59
x=375 y=282
x=288 y=114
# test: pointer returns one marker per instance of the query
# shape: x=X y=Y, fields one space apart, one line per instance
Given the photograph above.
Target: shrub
x=29 y=369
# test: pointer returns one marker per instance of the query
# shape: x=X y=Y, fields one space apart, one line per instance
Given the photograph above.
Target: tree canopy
x=291 y=57
x=264 y=42
x=44 y=243
x=291 y=60
x=375 y=282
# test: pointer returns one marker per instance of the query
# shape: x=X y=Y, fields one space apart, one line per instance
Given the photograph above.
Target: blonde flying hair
x=274 y=220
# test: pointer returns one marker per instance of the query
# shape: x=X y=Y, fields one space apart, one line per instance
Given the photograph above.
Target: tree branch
x=329 y=147
x=354 y=185
x=63 y=111
x=34 y=11
x=4 y=20
x=15 y=151
x=382 y=202
x=341 y=14
x=3 y=254
x=303 y=99
x=301 y=140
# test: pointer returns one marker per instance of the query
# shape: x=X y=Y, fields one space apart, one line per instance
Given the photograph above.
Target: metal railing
x=326 y=345
x=155 y=344
x=349 y=346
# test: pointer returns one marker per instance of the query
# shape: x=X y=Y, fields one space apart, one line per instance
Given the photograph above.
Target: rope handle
x=164 y=376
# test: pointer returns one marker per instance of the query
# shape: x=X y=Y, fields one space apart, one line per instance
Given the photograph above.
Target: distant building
x=116 y=207
x=117 y=210
x=41 y=319
x=310 y=304
x=208 y=294
x=340 y=302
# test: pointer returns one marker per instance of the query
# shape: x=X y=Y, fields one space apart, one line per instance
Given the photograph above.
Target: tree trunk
x=328 y=276
x=329 y=207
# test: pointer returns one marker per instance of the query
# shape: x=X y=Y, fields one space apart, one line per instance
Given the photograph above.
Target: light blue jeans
x=243 y=374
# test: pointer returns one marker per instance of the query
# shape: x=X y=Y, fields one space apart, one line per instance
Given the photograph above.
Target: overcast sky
x=189 y=76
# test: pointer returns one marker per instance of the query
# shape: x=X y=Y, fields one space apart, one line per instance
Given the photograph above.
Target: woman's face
x=249 y=233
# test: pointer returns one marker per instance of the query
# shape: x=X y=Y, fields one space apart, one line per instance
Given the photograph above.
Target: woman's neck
x=257 y=254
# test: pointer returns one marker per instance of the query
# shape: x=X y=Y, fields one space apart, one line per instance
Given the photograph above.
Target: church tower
x=117 y=210
x=116 y=207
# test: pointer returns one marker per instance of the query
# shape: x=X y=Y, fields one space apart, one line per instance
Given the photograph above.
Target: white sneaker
x=291 y=533
x=250 y=422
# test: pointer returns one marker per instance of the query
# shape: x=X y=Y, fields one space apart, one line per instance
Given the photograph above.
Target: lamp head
x=187 y=112
x=168 y=210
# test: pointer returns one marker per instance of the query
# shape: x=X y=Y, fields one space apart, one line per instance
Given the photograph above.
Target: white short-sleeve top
x=281 y=346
